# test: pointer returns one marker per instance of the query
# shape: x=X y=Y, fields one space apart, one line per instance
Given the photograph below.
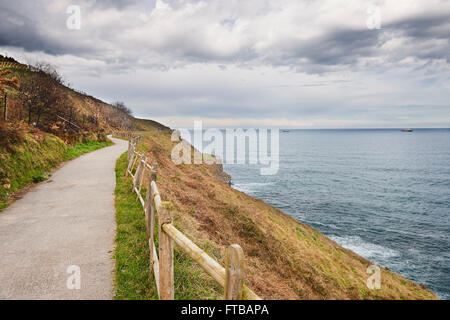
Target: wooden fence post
x=166 y=281
x=131 y=160
x=234 y=272
x=142 y=178
x=139 y=171
x=129 y=151
x=148 y=204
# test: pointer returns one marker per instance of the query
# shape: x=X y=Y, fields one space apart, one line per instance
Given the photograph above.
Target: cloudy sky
x=289 y=63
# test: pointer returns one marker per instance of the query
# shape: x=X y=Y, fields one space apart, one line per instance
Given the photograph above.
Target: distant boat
x=407 y=130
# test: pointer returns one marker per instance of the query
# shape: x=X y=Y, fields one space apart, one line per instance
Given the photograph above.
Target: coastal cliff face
x=285 y=259
x=217 y=170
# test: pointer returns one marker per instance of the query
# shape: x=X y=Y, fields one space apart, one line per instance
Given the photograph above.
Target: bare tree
x=119 y=105
x=41 y=92
x=118 y=115
x=7 y=83
x=50 y=71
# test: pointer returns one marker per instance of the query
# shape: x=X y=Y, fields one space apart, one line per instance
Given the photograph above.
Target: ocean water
x=384 y=194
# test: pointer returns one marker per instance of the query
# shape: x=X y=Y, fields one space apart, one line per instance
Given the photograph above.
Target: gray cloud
x=427 y=26
x=190 y=42
x=348 y=46
x=254 y=59
x=19 y=31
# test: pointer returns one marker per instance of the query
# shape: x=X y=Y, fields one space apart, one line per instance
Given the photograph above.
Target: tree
x=119 y=105
x=41 y=92
x=118 y=115
x=7 y=83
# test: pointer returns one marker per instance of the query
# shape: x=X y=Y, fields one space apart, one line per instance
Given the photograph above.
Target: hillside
x=48 y=122
x=63 y=111
x=71 y=113
x=285 y=258
x=149 y=125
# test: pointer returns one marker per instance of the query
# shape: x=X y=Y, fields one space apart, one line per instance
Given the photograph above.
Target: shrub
x=10 y=135
x=39 y=178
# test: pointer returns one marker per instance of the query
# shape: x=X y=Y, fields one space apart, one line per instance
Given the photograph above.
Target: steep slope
x=71 y=115
x=285 y=258
x=26 y=162
x=149 y=125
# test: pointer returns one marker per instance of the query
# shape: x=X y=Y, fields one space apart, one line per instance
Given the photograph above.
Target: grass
x=79 y=149
x=27 y=163
x=133 y=280
x=30 y=160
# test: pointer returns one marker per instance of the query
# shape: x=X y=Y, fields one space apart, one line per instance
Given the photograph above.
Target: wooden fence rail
x=231 y=278
x=130 y=136
x=14 y=65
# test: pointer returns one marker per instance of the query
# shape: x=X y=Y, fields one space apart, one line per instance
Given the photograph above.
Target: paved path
x=69 y=220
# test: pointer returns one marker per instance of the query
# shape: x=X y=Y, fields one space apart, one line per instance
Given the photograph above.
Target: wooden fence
x=133 y=137
x=231 y=278
x=14 y=65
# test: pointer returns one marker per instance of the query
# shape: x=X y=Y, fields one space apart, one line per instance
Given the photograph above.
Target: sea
x=382 y=193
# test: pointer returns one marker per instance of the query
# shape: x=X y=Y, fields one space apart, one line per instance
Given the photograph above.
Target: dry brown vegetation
x=43 y=100
x=10 y=135
x=7 y=82
x=285 y=258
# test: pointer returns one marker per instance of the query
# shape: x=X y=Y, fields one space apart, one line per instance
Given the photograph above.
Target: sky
x=252 y=63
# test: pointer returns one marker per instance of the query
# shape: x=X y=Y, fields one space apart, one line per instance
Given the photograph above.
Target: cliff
x=285 y=258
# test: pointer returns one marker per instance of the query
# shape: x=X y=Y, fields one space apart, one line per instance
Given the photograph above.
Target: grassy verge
x=30 y=160
x=133 y=280
x=79 y=149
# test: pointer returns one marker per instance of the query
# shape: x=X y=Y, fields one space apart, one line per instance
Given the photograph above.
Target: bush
x=39 y=178
x=10 y=135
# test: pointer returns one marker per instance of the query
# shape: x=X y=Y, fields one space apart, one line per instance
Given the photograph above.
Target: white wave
x=251 y=186
x=365 y=249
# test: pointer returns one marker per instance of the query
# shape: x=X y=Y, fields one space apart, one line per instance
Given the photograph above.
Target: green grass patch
x=40 y=178
x=133 y=280
x=27 y=163
x=79 y=149
x=132 y=253
x=300 y=232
